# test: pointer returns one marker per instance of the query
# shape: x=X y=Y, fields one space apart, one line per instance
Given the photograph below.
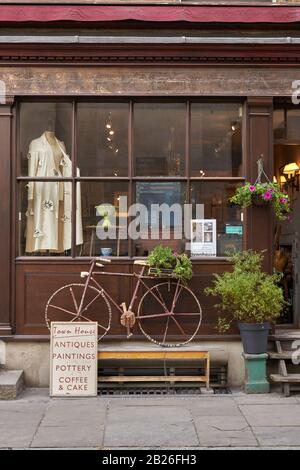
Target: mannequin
x=50 y=202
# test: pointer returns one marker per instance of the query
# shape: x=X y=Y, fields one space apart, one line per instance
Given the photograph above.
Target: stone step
x=290 y=378
x=286 y=355
x=11 y=383
x=286 y=335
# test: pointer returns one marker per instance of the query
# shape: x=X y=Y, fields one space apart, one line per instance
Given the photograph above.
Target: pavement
x=238 y=421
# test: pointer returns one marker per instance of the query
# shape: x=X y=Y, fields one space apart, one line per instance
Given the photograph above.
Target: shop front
x=118 y=114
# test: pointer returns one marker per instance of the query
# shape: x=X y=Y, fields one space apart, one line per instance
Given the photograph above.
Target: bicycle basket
x=161 y=272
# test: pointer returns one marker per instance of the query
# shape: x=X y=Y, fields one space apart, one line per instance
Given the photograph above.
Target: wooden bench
x=153 y=356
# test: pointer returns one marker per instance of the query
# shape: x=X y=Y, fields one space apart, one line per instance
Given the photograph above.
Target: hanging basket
x=258 y=201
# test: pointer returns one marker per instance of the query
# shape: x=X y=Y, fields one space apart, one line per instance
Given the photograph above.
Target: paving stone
x=274 y=436
x=218 y=438
x=141 y=426
x=151 y=401
x=264 y=399
x=34 y=395
x=72 y=423
x=214 y=407
x=18 y=423
x=272 y=415
x=231 y=423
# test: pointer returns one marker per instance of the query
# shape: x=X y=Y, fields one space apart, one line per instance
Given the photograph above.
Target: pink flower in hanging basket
x=252 y=188
x=267 y=195
x=283 y=200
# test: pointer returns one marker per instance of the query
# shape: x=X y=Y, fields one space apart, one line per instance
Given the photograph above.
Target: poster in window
x=203 y=237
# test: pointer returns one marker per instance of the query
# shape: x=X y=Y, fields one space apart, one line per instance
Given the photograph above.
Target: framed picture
x=203 y=237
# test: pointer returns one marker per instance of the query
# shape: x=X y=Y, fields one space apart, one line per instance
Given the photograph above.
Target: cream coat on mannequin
x=50 y=203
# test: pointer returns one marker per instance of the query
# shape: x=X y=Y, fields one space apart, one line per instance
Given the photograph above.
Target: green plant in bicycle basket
x=162 y=257
x=266 y=192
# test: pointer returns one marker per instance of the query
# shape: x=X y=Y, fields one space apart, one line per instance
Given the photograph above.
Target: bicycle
x=167 y=302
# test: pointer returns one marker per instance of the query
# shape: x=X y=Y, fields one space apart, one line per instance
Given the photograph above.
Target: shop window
x=212 y=201
x=45 y=208
x=216 y=139
x=158 y=224
x=45 y=218
x=159 y=139
x=41 y=120
x=104 y=219
x=82 y=164
x=102 y=139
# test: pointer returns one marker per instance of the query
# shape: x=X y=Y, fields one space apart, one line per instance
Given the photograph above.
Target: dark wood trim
x=46 y=338
x=219 y=55
x=6 y=114
x=260 y=144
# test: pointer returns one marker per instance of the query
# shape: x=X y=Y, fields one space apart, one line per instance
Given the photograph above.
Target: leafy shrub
x=247 y=293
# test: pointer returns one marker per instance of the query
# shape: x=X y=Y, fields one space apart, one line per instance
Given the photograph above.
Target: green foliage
x=247 y=293
x=267 y=192
x=165 y=258
x=183 y=268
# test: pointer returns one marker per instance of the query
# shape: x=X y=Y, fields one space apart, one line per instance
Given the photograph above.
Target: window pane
x=99 y=203
x=155 y=228
x=159 y=138
x=45 y=129
x=44 y=215
x=102 y=139
x=212 y=199
x=216 y=139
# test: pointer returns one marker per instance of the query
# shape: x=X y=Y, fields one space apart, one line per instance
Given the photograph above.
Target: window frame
x=131 y=178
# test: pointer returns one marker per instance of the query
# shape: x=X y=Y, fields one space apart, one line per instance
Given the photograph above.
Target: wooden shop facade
x=157 y=101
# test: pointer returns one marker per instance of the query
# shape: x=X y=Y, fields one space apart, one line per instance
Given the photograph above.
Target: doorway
x=286 y=126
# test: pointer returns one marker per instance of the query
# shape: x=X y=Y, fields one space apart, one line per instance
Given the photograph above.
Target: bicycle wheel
x=63 y=305
x=169 y=310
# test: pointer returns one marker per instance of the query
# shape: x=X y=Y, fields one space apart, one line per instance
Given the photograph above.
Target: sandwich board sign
x=73 y=359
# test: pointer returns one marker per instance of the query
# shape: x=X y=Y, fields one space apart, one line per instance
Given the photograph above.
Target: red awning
x=198 y=14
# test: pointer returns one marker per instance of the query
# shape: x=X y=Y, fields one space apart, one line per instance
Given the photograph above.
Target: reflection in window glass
x=102 y=139
x=159 y=138
x=212 y=198
x=98 y=200
x=216 y=139
x=156 y=228
x=45 y=226
x=45 y=126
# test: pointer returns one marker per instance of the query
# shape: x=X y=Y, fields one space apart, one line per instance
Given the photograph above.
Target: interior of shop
x=287 y=174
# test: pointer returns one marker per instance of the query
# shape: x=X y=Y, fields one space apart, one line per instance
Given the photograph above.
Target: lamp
x=282 y=179
x=293 y=174
x=290 y=169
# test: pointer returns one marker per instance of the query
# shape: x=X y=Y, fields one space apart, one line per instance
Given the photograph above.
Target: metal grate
x=218 y=381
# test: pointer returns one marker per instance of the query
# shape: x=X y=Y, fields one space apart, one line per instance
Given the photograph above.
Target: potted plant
x=249 y=296
x=164 y=261
x=263 y=193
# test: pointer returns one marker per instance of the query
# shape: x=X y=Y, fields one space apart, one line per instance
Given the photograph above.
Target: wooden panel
x=5 y=217
x=36 y=281
x=146 y=81
x=260 y=144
